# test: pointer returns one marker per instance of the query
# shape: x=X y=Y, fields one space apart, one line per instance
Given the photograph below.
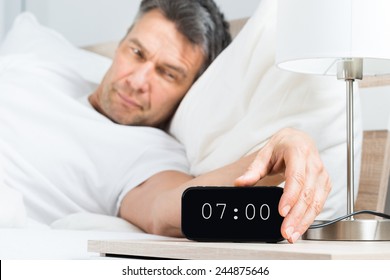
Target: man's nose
x=140 y=78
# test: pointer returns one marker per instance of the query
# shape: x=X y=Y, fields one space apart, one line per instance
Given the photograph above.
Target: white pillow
x=243 y=99
x=27 y=35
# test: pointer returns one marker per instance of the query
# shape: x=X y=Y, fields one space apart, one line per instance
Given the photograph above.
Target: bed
x=312 y=104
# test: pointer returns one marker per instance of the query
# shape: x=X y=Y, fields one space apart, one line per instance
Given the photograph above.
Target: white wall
x=234 y=9
x=8 y=10
x=94 y=21
x=86 y=22
x=2 y=19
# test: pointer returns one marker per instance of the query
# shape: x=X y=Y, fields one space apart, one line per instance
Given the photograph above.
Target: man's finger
x=314 y=191
x=257 y=169
x=315 y=208
x=295 y=174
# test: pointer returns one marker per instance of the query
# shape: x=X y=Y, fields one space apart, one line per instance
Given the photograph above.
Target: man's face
x=153 y=68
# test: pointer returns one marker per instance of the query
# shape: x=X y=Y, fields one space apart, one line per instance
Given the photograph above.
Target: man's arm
x=155 y=205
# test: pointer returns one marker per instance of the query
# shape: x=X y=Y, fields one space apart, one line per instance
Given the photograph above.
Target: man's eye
x=138 y=53
x=168 y=75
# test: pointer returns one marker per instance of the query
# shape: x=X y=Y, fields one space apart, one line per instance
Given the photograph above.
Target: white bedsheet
x=47 y=244
x=12 y=210
x=66 y=238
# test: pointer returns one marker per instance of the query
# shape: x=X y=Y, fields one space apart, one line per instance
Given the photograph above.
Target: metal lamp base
x=351 y=230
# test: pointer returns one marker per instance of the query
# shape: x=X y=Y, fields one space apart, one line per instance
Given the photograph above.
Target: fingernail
x=289 y=232
x=286 y=209
x=295 y=237
x=240 y=181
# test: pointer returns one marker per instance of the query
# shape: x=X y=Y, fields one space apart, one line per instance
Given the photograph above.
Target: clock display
x=238 y=214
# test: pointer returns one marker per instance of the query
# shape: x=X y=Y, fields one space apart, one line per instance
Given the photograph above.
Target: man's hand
x=307 y=184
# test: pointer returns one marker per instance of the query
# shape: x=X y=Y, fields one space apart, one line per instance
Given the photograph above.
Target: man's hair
x=200 y=21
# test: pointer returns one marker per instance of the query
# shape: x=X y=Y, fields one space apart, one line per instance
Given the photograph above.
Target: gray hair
x=200 y=21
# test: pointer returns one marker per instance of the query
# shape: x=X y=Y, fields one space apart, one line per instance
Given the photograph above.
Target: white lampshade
x=312 y=35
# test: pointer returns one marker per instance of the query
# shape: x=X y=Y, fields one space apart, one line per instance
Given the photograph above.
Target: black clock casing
x=232 y=214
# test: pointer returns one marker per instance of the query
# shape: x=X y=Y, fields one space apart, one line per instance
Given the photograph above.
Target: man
x=160 y=194
x=103 y=153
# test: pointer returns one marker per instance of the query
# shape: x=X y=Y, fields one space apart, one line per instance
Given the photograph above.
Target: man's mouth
x=128 y=101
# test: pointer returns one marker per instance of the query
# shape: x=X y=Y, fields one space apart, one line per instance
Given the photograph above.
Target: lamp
x=348 y=39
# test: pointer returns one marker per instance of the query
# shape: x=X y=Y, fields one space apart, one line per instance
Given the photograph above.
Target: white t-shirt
x=61 y=154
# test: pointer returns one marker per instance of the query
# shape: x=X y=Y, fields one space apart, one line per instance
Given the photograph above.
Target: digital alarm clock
x=232 y=214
